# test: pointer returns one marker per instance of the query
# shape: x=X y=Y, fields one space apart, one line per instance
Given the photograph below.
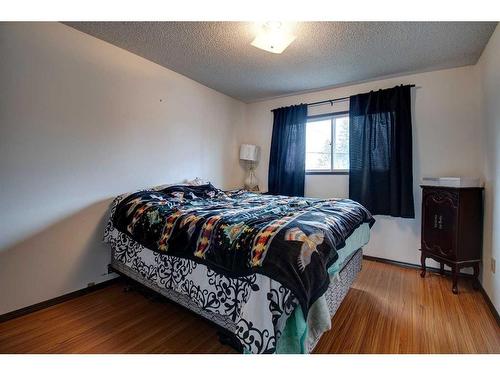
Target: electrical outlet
x=493 y=265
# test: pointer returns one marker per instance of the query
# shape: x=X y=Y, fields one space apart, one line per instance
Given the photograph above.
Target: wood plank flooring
x=389 y=309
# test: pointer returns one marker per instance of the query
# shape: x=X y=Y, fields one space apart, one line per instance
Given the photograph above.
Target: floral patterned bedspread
x=291 y=240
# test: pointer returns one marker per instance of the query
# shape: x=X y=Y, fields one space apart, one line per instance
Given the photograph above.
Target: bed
x=270 y=271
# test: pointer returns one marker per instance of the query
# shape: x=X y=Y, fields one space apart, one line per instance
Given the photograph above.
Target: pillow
x=196 y=182
x=190 y=192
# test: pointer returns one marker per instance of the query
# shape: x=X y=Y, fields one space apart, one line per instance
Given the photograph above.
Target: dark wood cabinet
x=452 y=228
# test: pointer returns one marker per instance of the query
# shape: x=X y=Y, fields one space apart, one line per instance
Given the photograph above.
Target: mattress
x=356 y=240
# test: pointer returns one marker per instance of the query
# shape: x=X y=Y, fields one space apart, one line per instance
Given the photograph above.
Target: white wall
x=447 y=142
x=489 y=72
x=82 y=121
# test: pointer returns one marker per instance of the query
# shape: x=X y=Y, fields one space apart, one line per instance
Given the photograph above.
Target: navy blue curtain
x=287 y=163
x=380 y=151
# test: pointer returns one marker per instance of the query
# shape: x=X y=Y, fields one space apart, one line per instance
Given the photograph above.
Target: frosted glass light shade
x=273 y=37
x=249 y=152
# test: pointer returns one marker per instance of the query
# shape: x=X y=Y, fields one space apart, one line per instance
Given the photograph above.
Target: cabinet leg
x=475 y=281
x=441 y=268
x=454 y=276
x=422 y=261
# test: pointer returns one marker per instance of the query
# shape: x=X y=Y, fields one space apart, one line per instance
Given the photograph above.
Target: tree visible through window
x=327 y=144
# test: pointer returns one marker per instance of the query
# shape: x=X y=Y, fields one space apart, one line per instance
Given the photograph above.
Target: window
x=327 y=144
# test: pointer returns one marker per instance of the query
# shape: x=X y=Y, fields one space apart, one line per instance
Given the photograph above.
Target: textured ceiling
x=325 y=54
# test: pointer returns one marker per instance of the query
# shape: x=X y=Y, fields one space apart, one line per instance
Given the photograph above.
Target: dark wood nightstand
x=452 y=229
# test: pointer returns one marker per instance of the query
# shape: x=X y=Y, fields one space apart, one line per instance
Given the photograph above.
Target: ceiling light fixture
x=273 y=37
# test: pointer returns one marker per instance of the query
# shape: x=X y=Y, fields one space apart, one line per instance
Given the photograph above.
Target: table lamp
x=250 y=155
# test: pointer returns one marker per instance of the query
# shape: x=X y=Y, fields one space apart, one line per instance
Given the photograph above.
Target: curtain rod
x=331 y=101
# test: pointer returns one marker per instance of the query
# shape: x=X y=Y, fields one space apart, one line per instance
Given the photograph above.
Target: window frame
x=321 y=117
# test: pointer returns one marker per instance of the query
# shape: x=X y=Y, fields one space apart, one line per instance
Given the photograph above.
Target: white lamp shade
x=249 y=152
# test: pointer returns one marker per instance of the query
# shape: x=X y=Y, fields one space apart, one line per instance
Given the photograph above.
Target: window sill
x=342 y=173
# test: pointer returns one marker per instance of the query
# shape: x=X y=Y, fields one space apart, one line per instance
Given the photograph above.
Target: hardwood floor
x=389 y=309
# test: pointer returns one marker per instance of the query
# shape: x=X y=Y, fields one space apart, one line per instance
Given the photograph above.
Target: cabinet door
x=440 y=215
